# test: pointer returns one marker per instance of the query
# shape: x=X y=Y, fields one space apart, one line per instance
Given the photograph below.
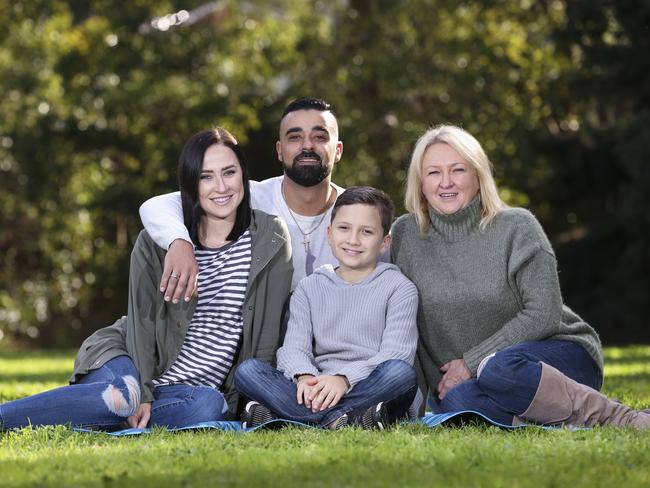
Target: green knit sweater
x=483 y=290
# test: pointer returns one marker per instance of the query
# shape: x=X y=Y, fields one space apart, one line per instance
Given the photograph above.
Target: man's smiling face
x=308 y=146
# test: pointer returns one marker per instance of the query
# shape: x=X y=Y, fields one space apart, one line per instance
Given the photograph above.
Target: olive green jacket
x=154 y=330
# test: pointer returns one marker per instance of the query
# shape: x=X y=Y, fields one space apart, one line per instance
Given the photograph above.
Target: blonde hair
x=471 y=151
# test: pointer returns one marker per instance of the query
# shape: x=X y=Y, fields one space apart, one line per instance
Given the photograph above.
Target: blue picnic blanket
x=429 y=420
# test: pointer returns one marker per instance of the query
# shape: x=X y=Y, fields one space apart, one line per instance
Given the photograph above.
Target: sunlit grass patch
x=24 y=373
x=627 y=374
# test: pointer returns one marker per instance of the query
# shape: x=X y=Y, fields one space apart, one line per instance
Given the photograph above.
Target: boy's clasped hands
x=321 y=392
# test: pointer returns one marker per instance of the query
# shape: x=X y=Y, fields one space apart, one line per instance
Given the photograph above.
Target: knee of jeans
x=400 y=371
x=210 y=405
x=245 y=371
x=122 y=397
x=504 y=365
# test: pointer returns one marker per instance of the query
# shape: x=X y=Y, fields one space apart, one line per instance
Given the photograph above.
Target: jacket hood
x=328 y=271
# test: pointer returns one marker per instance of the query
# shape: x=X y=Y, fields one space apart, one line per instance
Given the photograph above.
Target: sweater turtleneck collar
x=457 y=225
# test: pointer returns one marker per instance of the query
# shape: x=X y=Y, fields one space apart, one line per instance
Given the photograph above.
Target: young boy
x=351 y=337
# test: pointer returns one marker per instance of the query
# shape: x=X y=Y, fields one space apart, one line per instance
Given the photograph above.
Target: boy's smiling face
x=357 y=240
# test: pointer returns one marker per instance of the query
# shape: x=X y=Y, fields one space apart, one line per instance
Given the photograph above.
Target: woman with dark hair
x=172 y=364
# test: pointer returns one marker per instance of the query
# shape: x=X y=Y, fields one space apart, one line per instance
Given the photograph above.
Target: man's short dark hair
x=367 y=195
x=308 y=103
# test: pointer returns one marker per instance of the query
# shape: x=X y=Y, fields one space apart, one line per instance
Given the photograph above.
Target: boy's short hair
x=367 y=195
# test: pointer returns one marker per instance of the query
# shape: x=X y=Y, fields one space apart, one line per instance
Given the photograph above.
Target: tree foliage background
x=98 y=98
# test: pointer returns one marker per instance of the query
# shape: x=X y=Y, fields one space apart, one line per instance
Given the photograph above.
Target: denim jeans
x=509 y=380
x=392 y=380
x=105 y=397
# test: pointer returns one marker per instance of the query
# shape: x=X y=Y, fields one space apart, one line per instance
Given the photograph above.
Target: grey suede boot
x=561 y=400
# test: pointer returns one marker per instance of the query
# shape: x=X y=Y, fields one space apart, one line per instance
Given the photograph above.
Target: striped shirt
x=216 y=328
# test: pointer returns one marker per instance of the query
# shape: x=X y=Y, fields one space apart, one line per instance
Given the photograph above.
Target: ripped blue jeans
x=105 y=397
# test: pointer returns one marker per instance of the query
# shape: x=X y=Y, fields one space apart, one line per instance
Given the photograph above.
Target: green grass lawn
x=404 y=456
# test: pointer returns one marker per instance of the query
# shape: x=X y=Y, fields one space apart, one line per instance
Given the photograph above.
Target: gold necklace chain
x=214 y=246
x=305 y=235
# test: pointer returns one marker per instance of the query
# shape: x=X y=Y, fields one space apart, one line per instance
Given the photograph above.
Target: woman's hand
x=455 y=371
x=327 y=390
x=180 y=272
x=140 y=418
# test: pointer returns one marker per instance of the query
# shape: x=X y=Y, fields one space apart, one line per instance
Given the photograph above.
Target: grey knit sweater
x=483 y=290
x=340 y=328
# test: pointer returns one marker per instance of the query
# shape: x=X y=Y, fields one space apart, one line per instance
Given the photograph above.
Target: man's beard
x=307 y=174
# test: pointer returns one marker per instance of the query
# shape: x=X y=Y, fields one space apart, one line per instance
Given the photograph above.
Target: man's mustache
x=307 y=154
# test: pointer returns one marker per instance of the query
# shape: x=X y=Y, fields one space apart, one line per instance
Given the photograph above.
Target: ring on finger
x=175 y=276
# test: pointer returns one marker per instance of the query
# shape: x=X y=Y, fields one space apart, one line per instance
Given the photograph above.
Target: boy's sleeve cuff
x=300 y=370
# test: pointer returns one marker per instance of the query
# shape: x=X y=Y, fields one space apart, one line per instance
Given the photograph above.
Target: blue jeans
x=509 y=380
x=105 y=397
x=392 y=380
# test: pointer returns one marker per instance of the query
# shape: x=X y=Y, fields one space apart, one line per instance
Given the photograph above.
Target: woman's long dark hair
x=190 y=165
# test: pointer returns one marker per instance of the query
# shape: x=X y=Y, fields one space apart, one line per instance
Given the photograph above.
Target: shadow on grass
x=632 y=359
x=52 y=376
x=631 y=377
x=37 y=353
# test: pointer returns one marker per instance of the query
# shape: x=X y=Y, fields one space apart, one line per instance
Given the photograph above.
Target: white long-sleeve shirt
x=162 y=216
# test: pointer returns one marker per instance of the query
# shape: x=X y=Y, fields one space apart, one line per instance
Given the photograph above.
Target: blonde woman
x=494 y=334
